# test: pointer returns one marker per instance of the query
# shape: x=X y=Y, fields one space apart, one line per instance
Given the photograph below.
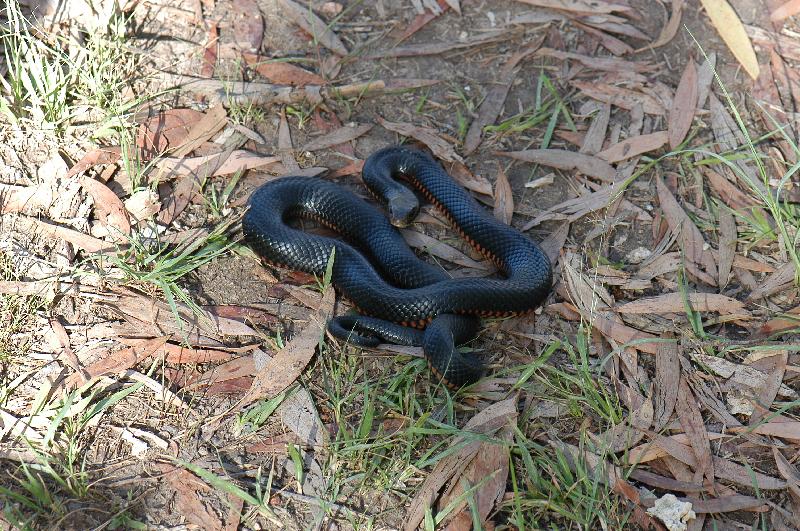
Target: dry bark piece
x=314 y=26
x=684 y=105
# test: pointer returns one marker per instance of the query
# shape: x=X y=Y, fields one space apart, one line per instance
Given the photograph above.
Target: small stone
x=638 y=255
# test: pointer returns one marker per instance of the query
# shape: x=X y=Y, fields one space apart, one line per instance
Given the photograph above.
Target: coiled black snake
x=382 y=276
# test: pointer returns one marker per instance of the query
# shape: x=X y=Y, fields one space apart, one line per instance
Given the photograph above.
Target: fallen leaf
x=689 y=236
x=209 y=124
x=165 y=131
x=420 y=21
x=285 y=148
x=684 y=105
x=104 y=155
x=728 y=236
x=429 y=137
x=742 y=375
x=730 y=194
x=789 y=9
x=469 y=180
x=287 y=365
x=608 y=64
x=566 y=160
x=777 y=281
x=314 y=26
x=766 y=393
x=248 y=25
x=704 y=78
x=281 y=72
x=338 y=136
x=633 y=147
x=668 y=372
x=596 y=134
x=670 y=29
x=442 y=250
x=120 y=360
x=621 y=97
x=738 y=502
x=187 y=488
x=691 y=421
x=237 y=161
x=492 y=104
x=436 y=48
x=503 y=198
x=88 y=243
x=674 y=303
x=209 y=64
x=487 y=421
x=581 y=6
x=609 y=42
x=730 y=28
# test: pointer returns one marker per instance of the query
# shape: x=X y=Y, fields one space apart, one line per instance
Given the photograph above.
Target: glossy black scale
x=381 y=275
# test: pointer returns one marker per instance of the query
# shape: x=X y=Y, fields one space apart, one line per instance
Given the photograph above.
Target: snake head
x=403 y=208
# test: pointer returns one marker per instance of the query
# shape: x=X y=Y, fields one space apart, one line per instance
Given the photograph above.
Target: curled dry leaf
x=670 y=29
x=732 y=31
x=684 y=105
x=314 y=26
x=430 y=137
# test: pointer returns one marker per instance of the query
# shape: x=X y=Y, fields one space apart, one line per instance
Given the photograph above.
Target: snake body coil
x=400 y=292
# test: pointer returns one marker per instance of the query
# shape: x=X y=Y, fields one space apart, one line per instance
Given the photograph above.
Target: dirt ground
x=156 y=374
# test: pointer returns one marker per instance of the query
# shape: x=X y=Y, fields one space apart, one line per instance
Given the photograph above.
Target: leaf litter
x=713 y=300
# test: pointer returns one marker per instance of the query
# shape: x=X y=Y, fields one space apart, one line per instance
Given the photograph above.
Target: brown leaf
x=789 y=9
x=633 y=147
x=202 y=130
x=313 y=25
x=684 y=105
x=492 y=104
x=436 y=48
x=121 y=360
x=104 y=155
x=281 y=72
x=777 y=281
x=285 y=148
x=670 y=29
x=674 y=303
x=31 y=200
x=596 y=135
x=88 y=243
x=487 y=421
x=788 y=471
x=668 y=372
x=503 y=198
x=729 y=193
x=287 y=365
x=609 y=42
x=106 y=203
x=209 y=64
x=727 y=245
x=581 y=6
x=555 y=241
x=248 y=25
x=767 y=393
x=621 y=97
x=442 y=250
x=216 y=165
x=489 y=467
x=738 y=502
x=420 y=21
x=566 y=160
x=469 y=180
x=338 y=136
x=690 y=238
x=429 y=137
x=187 y=488
x=165 y=131
x=789 y=321
x=692 y=423
x=785 y=429
x=608 y=64
x=328 y=122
